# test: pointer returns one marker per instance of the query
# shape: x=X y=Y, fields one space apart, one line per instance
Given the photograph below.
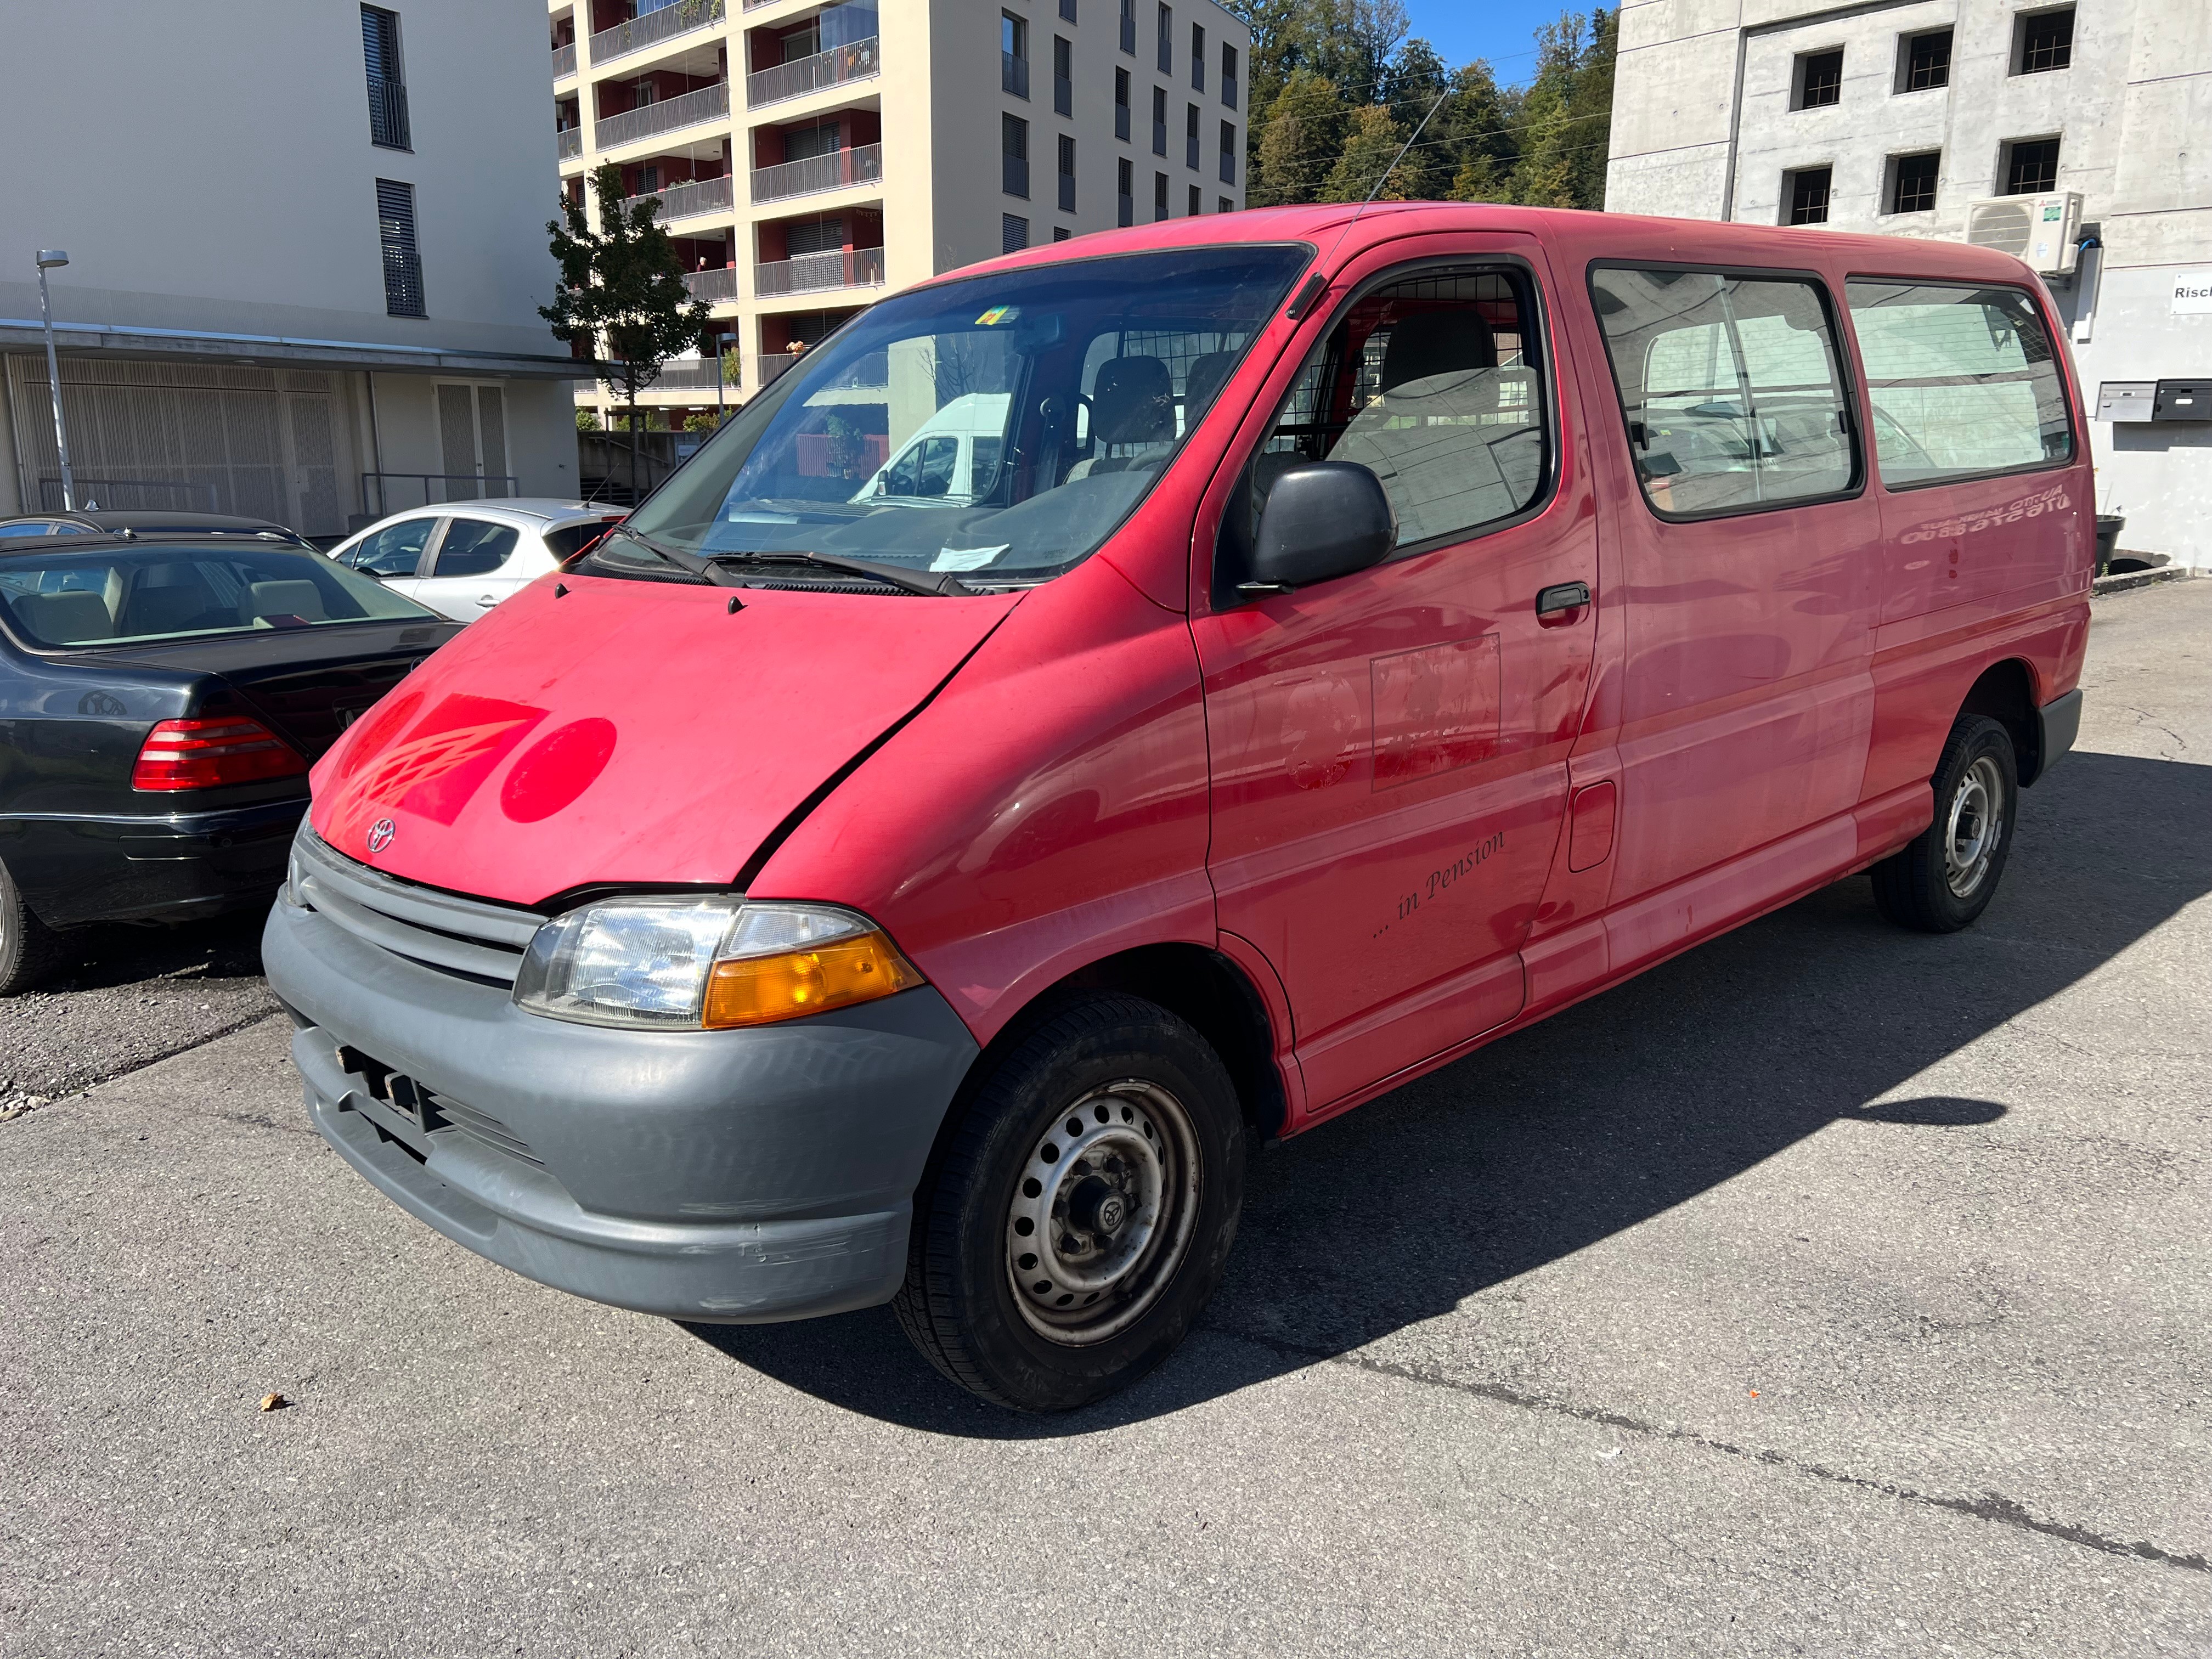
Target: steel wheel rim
x=1102 y=1213
x=1974 y=828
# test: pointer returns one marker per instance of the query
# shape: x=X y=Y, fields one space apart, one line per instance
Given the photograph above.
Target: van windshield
x=998 y=427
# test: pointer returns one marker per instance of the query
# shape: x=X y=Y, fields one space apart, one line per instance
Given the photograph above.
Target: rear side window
x=474 y=547
x=1962 y=380
x=1732 y=387
x=564 y=541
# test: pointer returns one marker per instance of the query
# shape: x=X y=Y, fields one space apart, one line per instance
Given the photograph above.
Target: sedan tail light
x=209 y=754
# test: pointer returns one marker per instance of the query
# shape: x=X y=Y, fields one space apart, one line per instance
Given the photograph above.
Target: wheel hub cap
x=1974 y=828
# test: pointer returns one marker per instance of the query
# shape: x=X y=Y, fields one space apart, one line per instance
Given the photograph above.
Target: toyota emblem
x=380 y=834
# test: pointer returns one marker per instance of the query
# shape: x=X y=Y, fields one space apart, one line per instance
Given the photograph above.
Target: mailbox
x=2183 y=400
x=2126 y=400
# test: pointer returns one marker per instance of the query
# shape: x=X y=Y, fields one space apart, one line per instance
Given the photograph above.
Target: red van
x=1134 y=699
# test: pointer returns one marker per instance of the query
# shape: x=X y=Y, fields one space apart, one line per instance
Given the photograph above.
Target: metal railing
x=571 y=141
x=691 y=373
x=1014 y=176
x=1063 y=95
x=1068 y=192
x=691 y=197
x=1228 y=167
x=1129 y=33
x=713 y=284
x=564 y=61
x=862 y=165
x=769 y=364
x=388 y=114
x=684 y=110
x=1014 y=75
x=450 y=486
x=861 y=60
x=1122 y=122
x=652 y=28
x=851 y=267
x=128 y=495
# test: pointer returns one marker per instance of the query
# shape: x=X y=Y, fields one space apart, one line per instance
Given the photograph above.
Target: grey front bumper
x=714 y=1175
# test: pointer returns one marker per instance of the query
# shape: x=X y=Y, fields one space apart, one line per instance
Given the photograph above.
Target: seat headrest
x=1133 y=402
x=296 y=598
x=66 y=618
x=1431 y=342
x=1204 y=378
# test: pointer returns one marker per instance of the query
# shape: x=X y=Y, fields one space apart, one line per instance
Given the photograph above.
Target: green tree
x=1370 y=147
x=621 y=291
x=1481 y=128
x=1302 y=139
x=587 y=419
x=1418 y=82
x=1591 y=107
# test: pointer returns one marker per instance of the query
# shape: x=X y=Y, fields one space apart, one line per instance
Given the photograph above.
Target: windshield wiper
x=913 y=581
x=705 y=569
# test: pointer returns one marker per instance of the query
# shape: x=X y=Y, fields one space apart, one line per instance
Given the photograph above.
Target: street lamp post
x=49 y=260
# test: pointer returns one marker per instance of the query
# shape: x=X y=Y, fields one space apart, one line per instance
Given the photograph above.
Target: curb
x=2132 y=578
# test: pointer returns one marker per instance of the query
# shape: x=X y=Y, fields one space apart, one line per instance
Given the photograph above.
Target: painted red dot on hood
x=557 y=768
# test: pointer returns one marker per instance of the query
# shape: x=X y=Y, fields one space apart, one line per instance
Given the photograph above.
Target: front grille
x=429 y=1111
x=461 y=936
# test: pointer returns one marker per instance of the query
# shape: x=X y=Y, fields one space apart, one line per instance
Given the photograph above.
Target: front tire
x=28 y=949
x=1084 y=1210
x=1945 y=877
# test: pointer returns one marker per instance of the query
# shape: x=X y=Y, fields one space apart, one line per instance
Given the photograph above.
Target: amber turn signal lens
x=761 y=990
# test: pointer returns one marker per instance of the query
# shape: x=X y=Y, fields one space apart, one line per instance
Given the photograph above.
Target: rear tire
x=1945 y=877
x=29 y=949
x=1083 y=1211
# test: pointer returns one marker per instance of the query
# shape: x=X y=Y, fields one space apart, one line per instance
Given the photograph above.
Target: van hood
x=629 y=733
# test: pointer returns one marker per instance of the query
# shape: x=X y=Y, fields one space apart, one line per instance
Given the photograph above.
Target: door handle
x=1565 y=596
x=487 y=600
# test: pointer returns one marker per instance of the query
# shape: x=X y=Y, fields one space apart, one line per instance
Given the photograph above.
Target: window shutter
x=402 y=262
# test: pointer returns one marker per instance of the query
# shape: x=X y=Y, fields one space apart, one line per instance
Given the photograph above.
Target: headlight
x=295 y=879
x=686 y=963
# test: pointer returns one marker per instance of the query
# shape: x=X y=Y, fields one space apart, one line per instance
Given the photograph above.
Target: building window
x=1805 y=191
x=1129 y=26
x=1013 y=54
x=1227 y=152
x=2031 y=166
x=1063 y=77
x=1159 y=196
x=1125 y=181
x=1229 y=75
x=1122 y=104
x=1224 y=205
x=1167 y=40
x=387 y=85
x=1198 y=57
x=1912 y=183
x=2042 y=41
x=1190 y=137
x=1819 y=80
x=1159 y=121
x=1013 y=233
x=1197 y=202
x=1062 y=233
x=1014 y=156
x=1067 y=173
x=1923 y=61
x=1067 y=9
x=403 y=260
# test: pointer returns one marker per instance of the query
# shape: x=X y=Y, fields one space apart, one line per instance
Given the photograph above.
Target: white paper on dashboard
x=966 y=558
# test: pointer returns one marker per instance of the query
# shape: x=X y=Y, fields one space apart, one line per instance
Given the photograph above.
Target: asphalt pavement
x=1829 y=1291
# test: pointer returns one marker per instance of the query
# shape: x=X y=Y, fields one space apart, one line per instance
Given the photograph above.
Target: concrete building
x=809 y=156
x=1893 y=117
x=306 y=238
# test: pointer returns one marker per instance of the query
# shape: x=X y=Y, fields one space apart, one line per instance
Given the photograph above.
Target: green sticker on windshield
x=998 y=314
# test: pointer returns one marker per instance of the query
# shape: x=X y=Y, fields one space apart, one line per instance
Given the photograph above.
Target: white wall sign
x=2193 y=292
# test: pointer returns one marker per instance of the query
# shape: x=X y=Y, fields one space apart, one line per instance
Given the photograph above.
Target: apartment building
x=2075 y=135
x=809 y=156
x=306 y=243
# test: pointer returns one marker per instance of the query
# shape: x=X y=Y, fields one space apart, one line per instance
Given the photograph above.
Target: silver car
x=461 y=558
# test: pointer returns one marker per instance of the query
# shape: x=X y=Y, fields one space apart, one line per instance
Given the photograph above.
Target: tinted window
x=394 y=551
x=569 y=537
x=1962 y=380
x=1434 y=385
x=34 y=527
x=112 y=597
x=474 y=547
x=1730 y=386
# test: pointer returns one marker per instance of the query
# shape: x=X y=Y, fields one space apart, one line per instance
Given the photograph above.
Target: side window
x=569 y=537
x=1962 y=380
x=1731 y=387
x=1435 y=385
x=394 y=551
x=474 y=547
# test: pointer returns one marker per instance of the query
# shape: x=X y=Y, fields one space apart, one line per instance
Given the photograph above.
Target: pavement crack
x=1989 y=1506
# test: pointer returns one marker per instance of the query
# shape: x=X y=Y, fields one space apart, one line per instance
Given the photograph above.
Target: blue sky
x=1504 y=31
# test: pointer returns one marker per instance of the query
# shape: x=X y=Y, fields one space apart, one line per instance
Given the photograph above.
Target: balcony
x=810 y=273
x=652 y=28
x=862 y=165
x=564 y=61
x=769 y=364
x=571 y=141
x=1014 y=75
x=684 y=110
x=388 y=114
x=860 y=60
x=691 y=373
x=688 y=199
x=720 y=284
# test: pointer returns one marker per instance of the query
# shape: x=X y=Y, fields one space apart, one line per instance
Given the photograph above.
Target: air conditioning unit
x=2040 y=229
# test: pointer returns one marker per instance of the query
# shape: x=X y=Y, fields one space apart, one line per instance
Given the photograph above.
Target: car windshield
x=103 y=596
x=999 y=428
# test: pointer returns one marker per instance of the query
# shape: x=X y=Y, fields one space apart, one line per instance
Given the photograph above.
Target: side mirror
x=1324 y=519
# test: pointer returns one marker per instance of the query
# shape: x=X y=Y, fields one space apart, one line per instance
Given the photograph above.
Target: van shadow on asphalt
x=1609 y=1114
